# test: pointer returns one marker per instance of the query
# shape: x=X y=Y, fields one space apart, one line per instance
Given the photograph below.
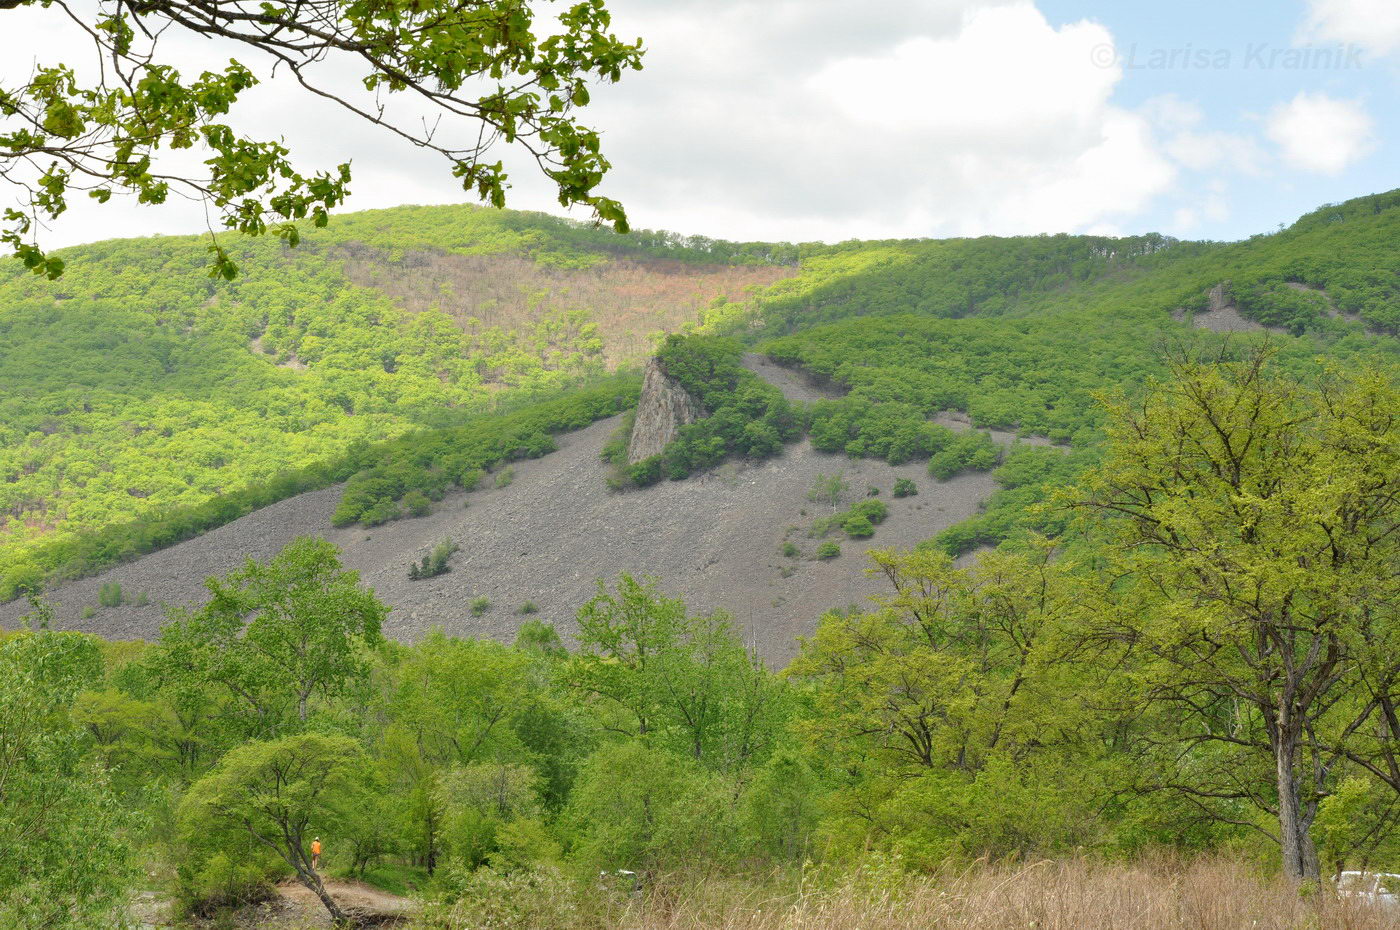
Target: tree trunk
x=1295 y=835
x=313 y=881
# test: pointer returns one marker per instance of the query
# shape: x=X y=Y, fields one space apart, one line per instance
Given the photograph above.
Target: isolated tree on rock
x=1254 y=529
x=478 y=68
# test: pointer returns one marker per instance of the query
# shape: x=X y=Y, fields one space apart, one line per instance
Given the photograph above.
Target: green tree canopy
x=280 y=793
x=273 y=636
x=483 y=68
x=66 y=863
x=1253 y=534
x=683 y=680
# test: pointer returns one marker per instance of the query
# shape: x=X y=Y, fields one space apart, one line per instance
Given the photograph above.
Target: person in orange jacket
x=316 y=853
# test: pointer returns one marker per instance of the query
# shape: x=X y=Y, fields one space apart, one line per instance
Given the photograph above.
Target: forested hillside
x=146 y=402
x=137 y=386
x=1336 y=265
x=1029 y=335
x=1161 y=682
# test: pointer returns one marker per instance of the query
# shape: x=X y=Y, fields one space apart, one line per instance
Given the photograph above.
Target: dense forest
x=1024 y=335
x=1139 y=665
x=460 y=568
x=1347 y=251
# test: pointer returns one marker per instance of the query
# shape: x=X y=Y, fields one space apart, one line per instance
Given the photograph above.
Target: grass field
x=1069 y=894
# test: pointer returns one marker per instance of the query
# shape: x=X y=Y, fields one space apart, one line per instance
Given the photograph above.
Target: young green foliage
x=1248 y=523
x=66 y=862
x=685 y=682
x=280 y=793
x=275 y=635
x=104 y=137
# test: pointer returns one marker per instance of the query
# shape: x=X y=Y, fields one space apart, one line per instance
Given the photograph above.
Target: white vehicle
x=1377 y=887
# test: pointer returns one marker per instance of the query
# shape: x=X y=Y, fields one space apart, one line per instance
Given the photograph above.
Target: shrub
x=969 y=451
x=89 y=612
x=20 y=578
x=538 y=897
x=434 y=563
x=828 y=550
x=858 y=527
x=382 y=512
x=645 y=472
x=141 y=600
x=505 y=476
x=872 y=510
x=222 y=883
x=790 y=550
x=615 y=449
x=110 y=595
x=417 y=504
x=527 y=608
x=905 y=488
x=480 y=605
x=539 y=636
x=828 y=489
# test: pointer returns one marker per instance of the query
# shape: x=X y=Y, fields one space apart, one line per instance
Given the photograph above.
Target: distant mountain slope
x=143 y=391
x=549 y=534
x=1333 y=271
x=136 y=383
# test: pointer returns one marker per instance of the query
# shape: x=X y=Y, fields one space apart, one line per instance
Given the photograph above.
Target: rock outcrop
x=664 y=408
x=1222 y=316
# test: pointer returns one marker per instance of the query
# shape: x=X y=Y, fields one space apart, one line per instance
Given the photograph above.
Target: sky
x=808 y=120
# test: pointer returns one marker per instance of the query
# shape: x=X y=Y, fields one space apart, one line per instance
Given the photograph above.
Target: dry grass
x=628 y=299
x=1051 y=895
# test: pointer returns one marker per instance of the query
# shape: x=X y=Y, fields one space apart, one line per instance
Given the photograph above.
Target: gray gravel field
x=549 y=535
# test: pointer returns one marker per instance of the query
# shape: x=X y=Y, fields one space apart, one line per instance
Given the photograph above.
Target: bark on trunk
x=313 y=881
x=1300 y=861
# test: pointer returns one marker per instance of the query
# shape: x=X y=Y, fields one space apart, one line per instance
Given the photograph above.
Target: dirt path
x=293 y=907
x=370 y=905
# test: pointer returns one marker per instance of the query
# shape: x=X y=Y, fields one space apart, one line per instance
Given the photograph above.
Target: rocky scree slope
x=548 y=535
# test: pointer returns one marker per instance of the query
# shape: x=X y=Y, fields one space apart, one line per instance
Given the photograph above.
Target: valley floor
x=1161 y=893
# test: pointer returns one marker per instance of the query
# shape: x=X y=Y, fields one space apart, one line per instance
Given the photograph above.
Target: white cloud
x=1180 y=123
x=1374 y=25
x=795 y=119
x=1319 y=133
x=990 y=120
x=1208 y=205
x=1005 y=73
